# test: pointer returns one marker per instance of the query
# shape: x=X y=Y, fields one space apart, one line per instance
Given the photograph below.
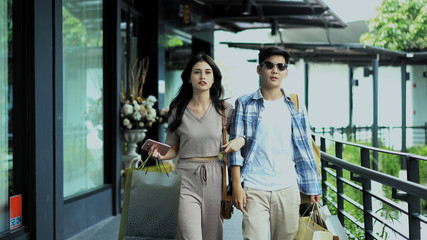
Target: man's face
x=272 y=78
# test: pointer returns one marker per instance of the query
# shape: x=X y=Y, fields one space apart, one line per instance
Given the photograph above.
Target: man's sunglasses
x=270 y=65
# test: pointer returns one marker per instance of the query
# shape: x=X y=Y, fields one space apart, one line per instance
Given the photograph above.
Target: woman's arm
x=234 y=145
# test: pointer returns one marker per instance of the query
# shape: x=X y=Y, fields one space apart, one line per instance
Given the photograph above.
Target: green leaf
x=399 y=25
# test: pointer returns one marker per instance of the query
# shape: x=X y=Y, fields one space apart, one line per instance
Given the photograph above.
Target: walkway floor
x=109 y=229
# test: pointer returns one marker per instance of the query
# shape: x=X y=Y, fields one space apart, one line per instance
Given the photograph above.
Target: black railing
x=405 y=200
x=416 y=135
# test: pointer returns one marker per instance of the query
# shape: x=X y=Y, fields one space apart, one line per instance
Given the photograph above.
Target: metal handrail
x=411 y=188
x=353 y=130
x=408 y=190
x=375 y=148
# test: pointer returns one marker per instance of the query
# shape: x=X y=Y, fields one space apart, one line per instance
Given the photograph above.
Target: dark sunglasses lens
x=281 y=66
x=269 y=65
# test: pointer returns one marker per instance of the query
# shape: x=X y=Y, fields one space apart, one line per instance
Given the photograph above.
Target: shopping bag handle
x=159 y=166
x=314 y=214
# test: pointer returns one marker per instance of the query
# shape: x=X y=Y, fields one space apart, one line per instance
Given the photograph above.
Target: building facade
x=64 y=65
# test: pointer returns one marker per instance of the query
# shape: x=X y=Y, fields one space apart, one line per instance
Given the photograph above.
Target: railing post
x=340 y=185
x=425 y=133
x=367 y=199
x=323 y=172
x=414 y=207
x=403 y=104
x=375 y=64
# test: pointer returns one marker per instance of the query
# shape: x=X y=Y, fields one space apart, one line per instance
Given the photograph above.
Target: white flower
x=127 y=109
x=126 y=122
x=152 y=112
x=136 y=116
x=151 y=100
x=143 y=110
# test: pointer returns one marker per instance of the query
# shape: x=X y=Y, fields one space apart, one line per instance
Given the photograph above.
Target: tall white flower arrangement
x=137 y=112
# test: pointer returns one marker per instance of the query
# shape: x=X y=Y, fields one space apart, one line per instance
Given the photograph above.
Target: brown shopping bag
x=309 y=230
x=311 y=227
x=150 y=204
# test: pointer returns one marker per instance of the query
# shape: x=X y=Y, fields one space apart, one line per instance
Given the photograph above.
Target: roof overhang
x=239 y=15
x=351 y=54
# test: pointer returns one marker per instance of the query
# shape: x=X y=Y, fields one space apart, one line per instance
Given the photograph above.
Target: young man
x=277 y=161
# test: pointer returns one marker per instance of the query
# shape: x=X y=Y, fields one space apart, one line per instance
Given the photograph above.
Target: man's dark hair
x=272 y=51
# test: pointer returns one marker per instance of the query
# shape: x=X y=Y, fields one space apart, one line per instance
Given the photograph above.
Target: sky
x=353 y=10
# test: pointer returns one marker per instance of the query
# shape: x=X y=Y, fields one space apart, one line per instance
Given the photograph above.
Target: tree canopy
x=399 y=25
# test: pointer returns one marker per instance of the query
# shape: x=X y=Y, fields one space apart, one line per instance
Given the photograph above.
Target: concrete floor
x=109 y=229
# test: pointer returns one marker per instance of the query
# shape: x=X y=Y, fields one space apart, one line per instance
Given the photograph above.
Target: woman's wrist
x=244 y=139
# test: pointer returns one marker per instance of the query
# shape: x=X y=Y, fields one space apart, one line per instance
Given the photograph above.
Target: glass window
x=82 y=96
x=6 y=152
x=177 y=53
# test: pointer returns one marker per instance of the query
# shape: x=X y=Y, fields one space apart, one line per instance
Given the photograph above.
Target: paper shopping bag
x=332 y=223
x=150 y=204
x=309 y=230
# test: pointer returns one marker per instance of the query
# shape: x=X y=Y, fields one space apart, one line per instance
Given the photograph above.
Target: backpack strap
x=294 y=98
x=316 y=150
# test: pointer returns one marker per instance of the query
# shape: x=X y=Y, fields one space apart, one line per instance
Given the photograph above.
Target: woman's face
x=202 y=76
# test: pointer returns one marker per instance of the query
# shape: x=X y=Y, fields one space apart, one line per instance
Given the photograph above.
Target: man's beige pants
x=276 y=212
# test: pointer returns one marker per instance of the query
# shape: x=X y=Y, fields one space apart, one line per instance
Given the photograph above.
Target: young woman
x=194 y=134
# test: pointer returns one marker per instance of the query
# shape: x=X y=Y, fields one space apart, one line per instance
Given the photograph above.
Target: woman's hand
x=234 y=145
x=154 y=153
x=171 y=154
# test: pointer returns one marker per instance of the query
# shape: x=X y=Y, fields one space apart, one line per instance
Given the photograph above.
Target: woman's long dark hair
x=185 y=93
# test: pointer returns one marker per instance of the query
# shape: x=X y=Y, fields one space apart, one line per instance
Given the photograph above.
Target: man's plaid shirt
x=245 y=122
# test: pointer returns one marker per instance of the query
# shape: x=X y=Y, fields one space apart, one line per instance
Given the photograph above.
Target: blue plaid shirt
x=245 y=122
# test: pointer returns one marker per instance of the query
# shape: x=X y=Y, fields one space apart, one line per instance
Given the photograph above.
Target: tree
x=399 y=25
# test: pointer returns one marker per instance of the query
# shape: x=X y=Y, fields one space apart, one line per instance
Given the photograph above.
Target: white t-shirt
x=273 y=167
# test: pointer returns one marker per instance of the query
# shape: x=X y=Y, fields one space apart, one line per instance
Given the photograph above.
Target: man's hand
x=239 y=198
x=239 y=195
x=314 y=199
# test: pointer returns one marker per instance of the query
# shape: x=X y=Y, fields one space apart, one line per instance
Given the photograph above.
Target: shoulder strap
x=316 y=150
x=294 y=98
x=224 y=156
x=224 y=128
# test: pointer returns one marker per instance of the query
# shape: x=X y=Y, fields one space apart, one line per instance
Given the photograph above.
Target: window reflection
x=82 y=96
x=6 y=104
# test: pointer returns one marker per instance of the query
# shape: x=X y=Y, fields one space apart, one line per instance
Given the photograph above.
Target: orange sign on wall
x=15 y=211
